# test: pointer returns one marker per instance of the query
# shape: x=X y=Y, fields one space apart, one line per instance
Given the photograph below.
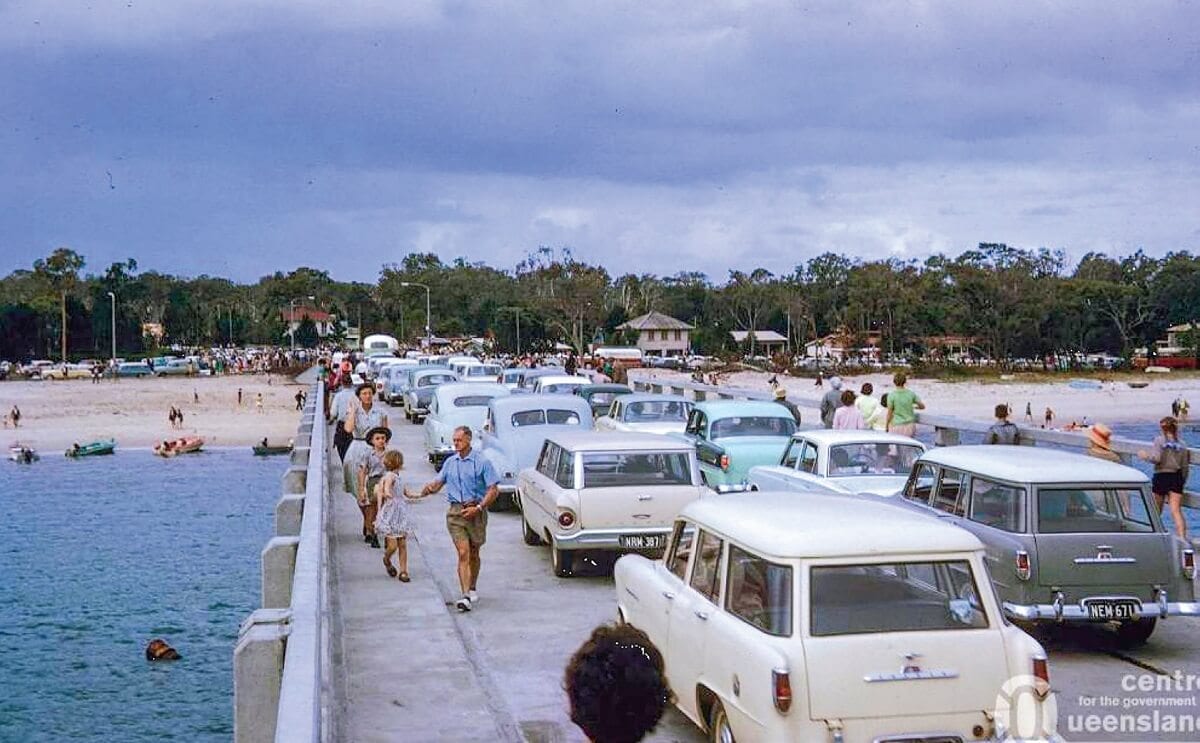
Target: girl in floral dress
x=393 y=523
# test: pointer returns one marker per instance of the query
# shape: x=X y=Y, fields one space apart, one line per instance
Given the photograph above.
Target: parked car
x=511 y=378
x=457 y=404
x=133 y=369
x=1069 y=538
x=458 y=363
x=394 y=369
x=419 y=392
x=176 y=368
x=34 y=369
x=559 y=383
x=731 y=436
x=647 y=413
x=593 y=491
x=480 y=372
x=808 y=617
x=529 y=379
x=67 y=371
x=601 y=396
x=829 y=461
x=515 y=428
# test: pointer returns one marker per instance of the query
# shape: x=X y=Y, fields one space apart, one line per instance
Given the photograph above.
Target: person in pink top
x=848 y=416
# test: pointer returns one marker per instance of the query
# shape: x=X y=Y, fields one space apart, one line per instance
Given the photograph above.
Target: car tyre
x=1135 y=633
x=719 y=730
x=561 y=560
x=531 y=537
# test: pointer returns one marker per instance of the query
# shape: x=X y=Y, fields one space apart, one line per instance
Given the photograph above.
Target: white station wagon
x=647 y=413
x=595 y=491
x=841 y=461
x=788 y=616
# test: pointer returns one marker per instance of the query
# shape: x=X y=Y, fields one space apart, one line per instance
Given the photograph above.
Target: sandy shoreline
x=134 y=411
x=1115 y=402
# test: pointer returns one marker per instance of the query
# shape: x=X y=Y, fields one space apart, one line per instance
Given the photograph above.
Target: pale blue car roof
x=727 y=408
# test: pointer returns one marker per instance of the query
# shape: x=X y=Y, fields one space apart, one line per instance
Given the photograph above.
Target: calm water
x=99 y=555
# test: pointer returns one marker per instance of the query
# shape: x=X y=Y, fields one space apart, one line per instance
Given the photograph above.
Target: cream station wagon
x=595 y=491
x=787 y=616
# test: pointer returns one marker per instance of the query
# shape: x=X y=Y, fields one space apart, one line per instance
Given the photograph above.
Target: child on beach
x=393 y=522
x=1170 y=457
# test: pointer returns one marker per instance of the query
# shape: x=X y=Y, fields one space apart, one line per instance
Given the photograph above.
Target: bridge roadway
x=407 y=666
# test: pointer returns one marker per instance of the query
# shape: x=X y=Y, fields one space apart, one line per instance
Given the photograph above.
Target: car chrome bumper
x=1061 y=611
x=605 y=539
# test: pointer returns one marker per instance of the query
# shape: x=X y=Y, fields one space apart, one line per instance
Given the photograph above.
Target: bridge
x=341 y=652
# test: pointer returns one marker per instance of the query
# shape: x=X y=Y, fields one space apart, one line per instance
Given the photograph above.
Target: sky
x=242 y=137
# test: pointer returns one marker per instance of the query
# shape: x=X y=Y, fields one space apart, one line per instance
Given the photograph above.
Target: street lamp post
x=292 y=319
x=517 y=312
x=428 y=322
x=113 y=302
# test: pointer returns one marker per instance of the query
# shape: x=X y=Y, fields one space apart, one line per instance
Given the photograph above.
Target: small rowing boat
x=182 y=445
x=92 y=449
x=1138 y=385
x=23 y=454
x=265 y=450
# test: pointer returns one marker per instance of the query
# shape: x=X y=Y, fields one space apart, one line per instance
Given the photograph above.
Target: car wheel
x=560 y=560
x=718 y=725
x=531 y=537
x=1135 y=633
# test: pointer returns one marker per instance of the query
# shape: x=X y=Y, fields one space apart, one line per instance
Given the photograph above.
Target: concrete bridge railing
x=281 y=661
x=948 y=430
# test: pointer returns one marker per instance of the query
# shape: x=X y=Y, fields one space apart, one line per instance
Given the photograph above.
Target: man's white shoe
x=473 y=596
x=463 y=604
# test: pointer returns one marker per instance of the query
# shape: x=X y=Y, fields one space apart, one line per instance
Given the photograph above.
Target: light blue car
x=457 y=404
x=517 y=426
x=731 y=436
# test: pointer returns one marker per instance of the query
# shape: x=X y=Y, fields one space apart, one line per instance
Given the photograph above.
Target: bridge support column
x=295 y=480
x=945 y=437
x=288 y=513
x=257 y=675
x=278 y=569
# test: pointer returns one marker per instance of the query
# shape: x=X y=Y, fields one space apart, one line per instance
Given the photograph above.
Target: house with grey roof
x=659 y=334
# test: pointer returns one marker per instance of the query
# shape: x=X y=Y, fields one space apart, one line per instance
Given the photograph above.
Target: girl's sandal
x=391 y=570
x=404 y=578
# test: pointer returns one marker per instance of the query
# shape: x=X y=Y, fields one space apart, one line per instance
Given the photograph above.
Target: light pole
x=113 y=302
x=292 y=319
x=517 y=312
x=428 y=322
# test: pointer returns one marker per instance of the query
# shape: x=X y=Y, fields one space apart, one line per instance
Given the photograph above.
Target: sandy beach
x=1114 y=402
x=54 y=414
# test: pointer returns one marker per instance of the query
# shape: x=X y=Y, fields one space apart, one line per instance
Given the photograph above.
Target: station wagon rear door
x=1095 y=537
x=635 y=488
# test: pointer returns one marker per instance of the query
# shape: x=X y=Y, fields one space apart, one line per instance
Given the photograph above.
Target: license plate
x=1113 y=609
x=644 y=541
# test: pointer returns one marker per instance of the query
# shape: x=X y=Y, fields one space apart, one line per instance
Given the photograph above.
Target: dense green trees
x=1012 y=302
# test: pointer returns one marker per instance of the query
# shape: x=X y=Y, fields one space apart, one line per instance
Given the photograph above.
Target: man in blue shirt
x=470 y=481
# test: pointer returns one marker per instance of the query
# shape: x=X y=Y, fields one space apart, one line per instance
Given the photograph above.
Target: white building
x=659 y=334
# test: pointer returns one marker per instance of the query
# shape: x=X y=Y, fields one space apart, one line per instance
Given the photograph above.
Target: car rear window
x=759 y=592
x=541 y=417
x=752 y=426
x=562 y=387
x=656 y=410
x=894 y=597
x=872 y=459
x=433 y=379
x=1084 y=510
x=613 y=469
x=472 y=401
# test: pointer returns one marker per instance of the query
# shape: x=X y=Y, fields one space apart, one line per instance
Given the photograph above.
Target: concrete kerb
x=278 y=571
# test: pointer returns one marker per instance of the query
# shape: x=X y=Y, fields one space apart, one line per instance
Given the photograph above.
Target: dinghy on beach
x=182 y=445
x=1085 y=384
x=23 y=454
x=92 y=449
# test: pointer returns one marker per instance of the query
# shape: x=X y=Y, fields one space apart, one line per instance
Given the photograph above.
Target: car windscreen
x=648 y=411
x=894 y=597
x=542 y=417
x=484 y=370
x=872 y=459
x=752 y=425
x=633 y=469
x=472 y=401
x=434 y=379
x=1083 y=510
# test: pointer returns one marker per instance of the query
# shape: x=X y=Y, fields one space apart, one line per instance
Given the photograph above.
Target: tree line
x=1011 y=303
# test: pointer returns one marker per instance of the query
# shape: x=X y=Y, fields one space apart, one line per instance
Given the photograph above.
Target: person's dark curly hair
x=616 y=685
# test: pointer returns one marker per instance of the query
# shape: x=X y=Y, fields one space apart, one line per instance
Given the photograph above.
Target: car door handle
x=703 y=615
x=645 y=497
x=668 y=595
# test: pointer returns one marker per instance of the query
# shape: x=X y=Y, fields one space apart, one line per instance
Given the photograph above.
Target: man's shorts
x=463 y=529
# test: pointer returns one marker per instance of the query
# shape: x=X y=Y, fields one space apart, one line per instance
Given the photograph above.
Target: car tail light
x=566 y=519
x=1023 y=570
x=724 y=461
x=1188 y=560
x=781 y=687
x=1041 y=672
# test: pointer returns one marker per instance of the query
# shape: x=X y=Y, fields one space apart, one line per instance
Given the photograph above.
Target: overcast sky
x=241 y=137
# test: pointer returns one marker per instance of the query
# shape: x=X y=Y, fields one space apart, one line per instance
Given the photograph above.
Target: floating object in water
x=92 y=449
x=266 y=451
x=1138 y=385
x=1158 y=370
x=23 y=454
x=184 y=445
x=158 y=649
x=1085 y=384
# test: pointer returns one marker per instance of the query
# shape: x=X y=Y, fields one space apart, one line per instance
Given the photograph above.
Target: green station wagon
x=1069 y=538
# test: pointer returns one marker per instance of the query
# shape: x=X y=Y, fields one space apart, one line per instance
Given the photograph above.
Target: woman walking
x=362 y=414
x=1170 y=458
